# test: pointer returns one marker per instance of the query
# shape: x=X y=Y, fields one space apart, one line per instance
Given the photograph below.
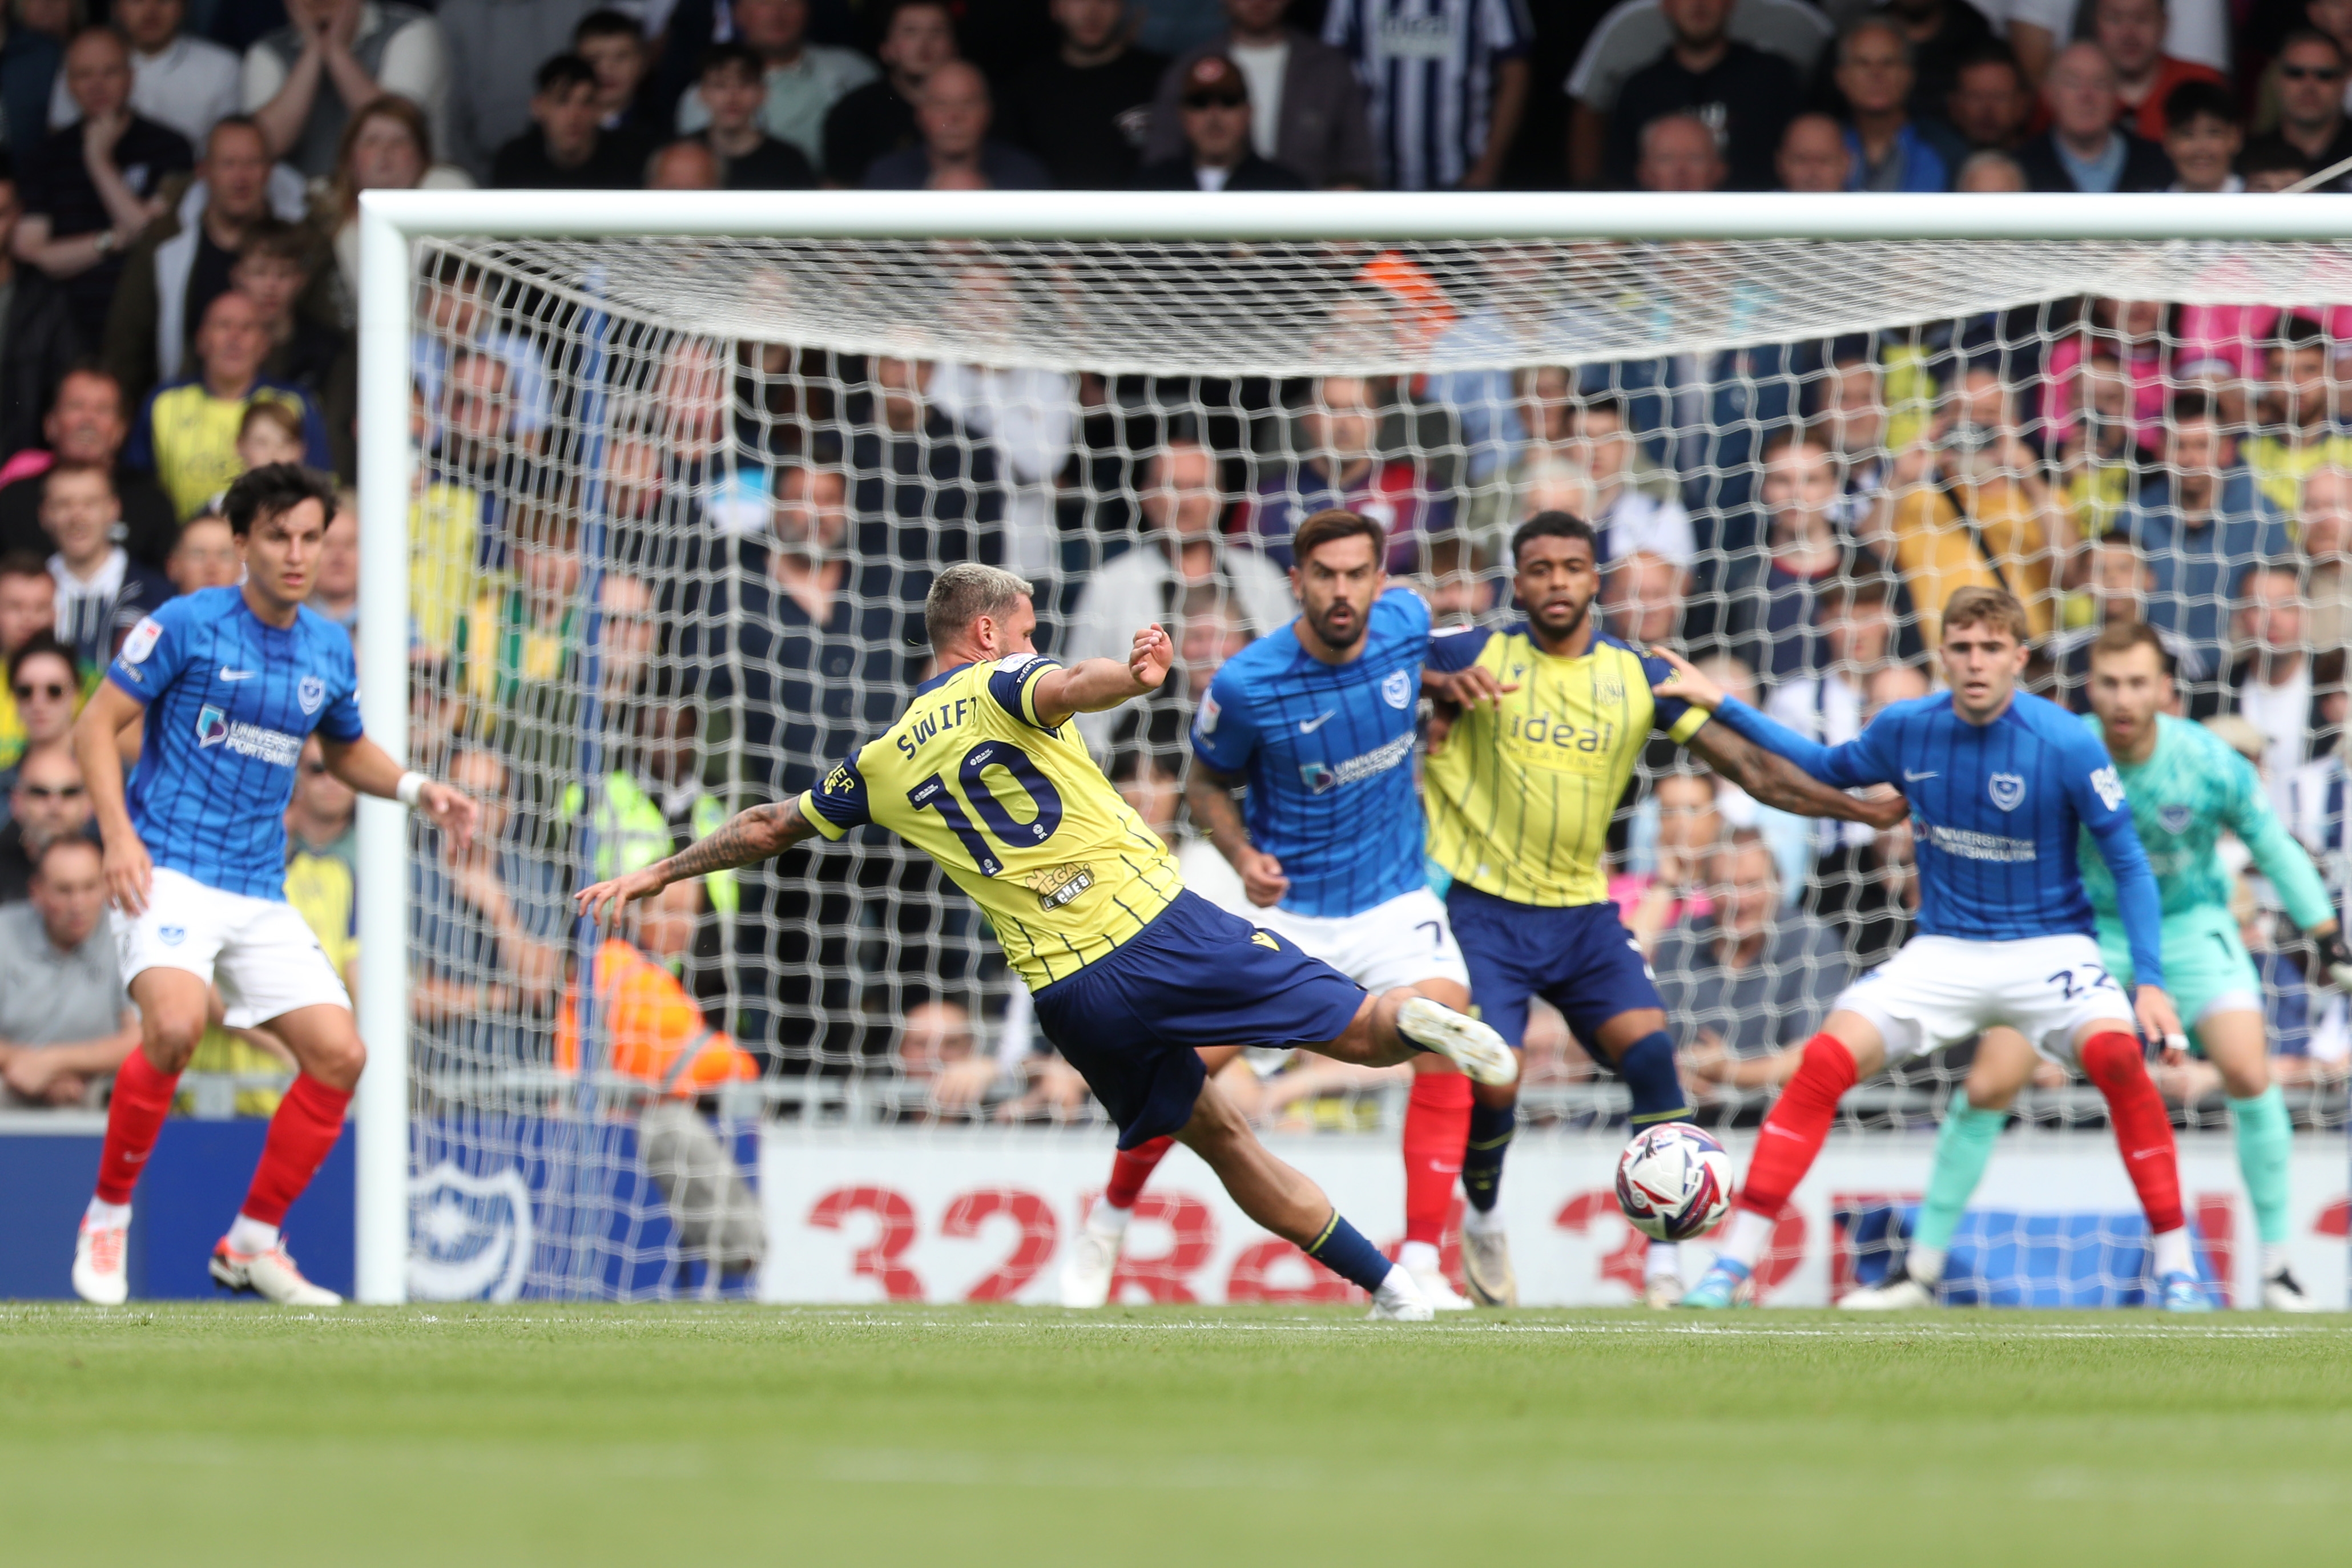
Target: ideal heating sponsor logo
x=1320 y=777
x=271 y=746
x=1979 y=846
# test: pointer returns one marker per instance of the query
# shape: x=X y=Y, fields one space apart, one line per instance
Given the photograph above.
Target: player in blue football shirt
x=230 y=683
x=2001 y=785
x=1318 y=718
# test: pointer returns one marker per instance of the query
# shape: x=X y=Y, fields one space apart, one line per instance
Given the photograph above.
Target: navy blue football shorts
x=1131 y=1021
x=1580 y=959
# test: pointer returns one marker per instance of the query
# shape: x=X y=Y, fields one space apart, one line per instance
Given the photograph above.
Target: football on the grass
x=1673 y=1181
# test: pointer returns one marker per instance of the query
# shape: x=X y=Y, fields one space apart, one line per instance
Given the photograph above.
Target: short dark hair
x=734 y=53
x=68 y=470
x=1335 y=523
x=2191 y=404
x=2122 y=636
x=2271 y=155
x=1554 y=525
x=273 y=490
x=2192 y=99
x=1783 y=436
x=23 y=563
x=1989 y=52
x=2296 y=332
x=1609 y=403
x=36 y=647
x=272 y=237
x=2307 y=36
x=563 y=72
x=607 y=23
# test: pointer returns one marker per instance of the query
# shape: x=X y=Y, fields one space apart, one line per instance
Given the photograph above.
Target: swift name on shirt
x=1978 y=846
x=918 y=731
x=274 y=746
x=1322 y=776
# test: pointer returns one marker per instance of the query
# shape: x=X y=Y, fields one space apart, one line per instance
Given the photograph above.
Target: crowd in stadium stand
x=178 y=262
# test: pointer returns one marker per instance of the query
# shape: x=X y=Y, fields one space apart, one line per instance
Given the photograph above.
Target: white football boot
x=1898 y=1293
x=1486 y=1267
x=100 y=1274
x=270 y=1275
x=1400 y=1300
x=1443 y=1296
x=1460 y=1039
x=1093 y=1260
x=2282 y=1292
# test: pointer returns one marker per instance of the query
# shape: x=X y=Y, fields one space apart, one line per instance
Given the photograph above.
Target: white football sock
x=102 y=1213
x=1665 y=1258
x=1751 y=1234
x=2274 y=1260
x=2172 y=1254
x=250 y=1236
x=1418 y=1257
x=1482 y=1222
x=1925 y=1264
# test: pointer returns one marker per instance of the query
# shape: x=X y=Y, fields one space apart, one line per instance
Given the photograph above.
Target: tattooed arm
x=748 y=838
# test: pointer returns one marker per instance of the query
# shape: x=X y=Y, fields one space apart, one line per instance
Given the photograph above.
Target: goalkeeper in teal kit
x=2184 y=786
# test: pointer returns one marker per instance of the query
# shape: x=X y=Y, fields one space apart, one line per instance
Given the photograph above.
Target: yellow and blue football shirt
x=1017 y=813
x=1521 y=795
x=188 y=437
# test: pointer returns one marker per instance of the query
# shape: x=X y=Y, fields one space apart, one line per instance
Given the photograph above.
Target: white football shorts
x=259 y=952
x=1400 y=943
x=1940 y=990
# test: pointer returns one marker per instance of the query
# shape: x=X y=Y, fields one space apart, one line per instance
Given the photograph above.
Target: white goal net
x=674 y=503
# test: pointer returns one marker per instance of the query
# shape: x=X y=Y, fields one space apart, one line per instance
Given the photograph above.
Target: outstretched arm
x=1777 y=781
x=1093 y=686
x=748 y=838
x=370 y=769
x=1210 y=794
x=1847 y=767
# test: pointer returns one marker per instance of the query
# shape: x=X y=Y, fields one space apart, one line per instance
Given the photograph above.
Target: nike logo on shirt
x=228 y=675
x=1911 y=778
x=1309 y=725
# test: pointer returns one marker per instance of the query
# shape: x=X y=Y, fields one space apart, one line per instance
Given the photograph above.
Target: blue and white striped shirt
x=1428 y=70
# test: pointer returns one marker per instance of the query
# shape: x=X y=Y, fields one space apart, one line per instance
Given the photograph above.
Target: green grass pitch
x=573 y=1435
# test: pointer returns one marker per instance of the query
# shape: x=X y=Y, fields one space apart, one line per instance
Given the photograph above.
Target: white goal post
x=2051 y=245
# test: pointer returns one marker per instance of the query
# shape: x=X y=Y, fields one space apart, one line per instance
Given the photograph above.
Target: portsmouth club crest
x=2176 y=819
x=2008 y=790
x=310 y=692
x=1398 y=689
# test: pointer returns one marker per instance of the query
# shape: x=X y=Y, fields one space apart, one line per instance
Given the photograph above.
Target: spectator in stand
x=187 y=431
x=1991 y=106
x=1813 y=158
x=926 y=489
x=30 y=61
x=334 y=58
x=1888 y=152
x=493 y=45
x=1633 y=506
x=457 y=317
x=1336 y=463
x=2312 y=128
x=206 y=556
x=1083 y=111
x=1942 y=33
x=938 y=1051
x=2326 y=535
x=1635 y=33
x=731 y=94
x=183 y=262
x=1747 y=979
x=871 y=121
x=336 y=591
x=1851 y=418
x=46 y=799
x=43 y=695
x=1743 y=97
x=684 y=165
x=1968 y=506
x=1680 y=154
x=1641 y=599
x=952 y=114
x=1306 y=106
x=1447 y=87
x=28 y=608
x=1991 y=173
x=2269 y=165
x=2270 y=684
x=1182 y=550
x=274 y=270
x=1218 y=155
x=270 y=432
x=615 y=43
x=2120 y=586
x=176 y=80
x=2130 y=33
x=38 y=343
x=90 y=188
x=564 y=151
x=2084 y=149
x=800 y=81
x=2302 y=424
x=488 y=924
x=2201 y=521
x=102 y=591
x=1687 y=826
x=64 y=1021
x=2203 y=135
x=387 y=146
x=89 y=423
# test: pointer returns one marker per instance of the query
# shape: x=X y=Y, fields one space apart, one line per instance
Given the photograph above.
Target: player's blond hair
x=963 y=593
x=1997 y=608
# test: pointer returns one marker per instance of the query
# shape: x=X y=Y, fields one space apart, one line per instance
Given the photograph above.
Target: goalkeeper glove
x=2334 y=959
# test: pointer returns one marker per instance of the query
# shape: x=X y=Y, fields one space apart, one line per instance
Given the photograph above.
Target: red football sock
x=134 y=1120
x=309 y=1120
x=2114 y=1061
x=1436 y=1129
x=1133 y=1168
x=1793 y=1134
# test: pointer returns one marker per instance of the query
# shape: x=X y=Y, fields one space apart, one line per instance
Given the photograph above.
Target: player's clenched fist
x=1149 y=659
x=1262 y=877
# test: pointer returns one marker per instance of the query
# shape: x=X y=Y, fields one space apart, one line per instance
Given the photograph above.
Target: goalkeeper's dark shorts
x=1133 y=1021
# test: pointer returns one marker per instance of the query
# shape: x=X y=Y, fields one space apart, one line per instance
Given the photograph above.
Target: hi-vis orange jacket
x=657 y=1034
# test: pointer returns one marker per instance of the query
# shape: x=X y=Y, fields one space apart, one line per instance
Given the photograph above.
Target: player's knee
x=2112 y=1058
x=170 y=1039
x=338 y=1062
